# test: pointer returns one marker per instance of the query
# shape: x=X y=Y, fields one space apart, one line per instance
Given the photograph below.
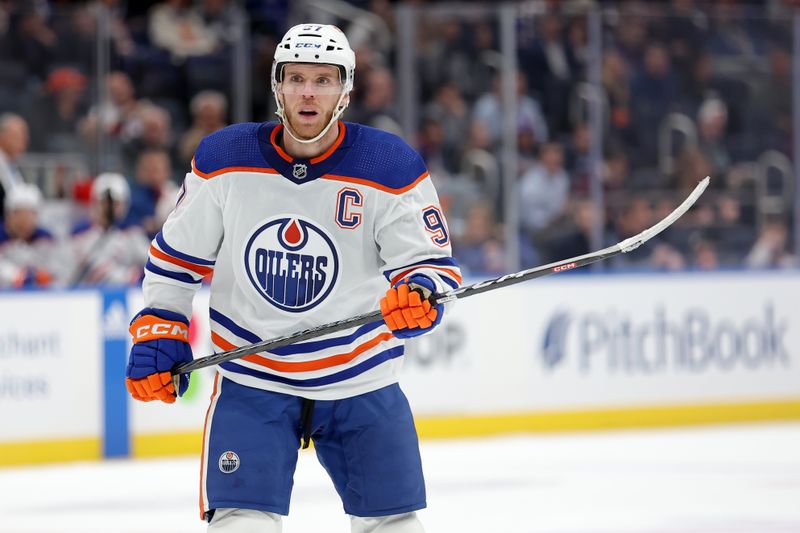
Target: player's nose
x=309 y=90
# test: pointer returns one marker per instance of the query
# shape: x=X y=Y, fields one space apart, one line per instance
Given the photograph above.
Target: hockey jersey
x=17 y=257
x=297 y=243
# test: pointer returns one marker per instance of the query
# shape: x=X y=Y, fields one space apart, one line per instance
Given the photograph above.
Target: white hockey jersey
x=297 y=243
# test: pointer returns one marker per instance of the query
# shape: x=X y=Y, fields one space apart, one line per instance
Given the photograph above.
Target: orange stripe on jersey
x=452 y=273
x=225 y=170
x=368 y=183
x=274 y=135
x=305 y=366
x=203 y=447
x=197 y=269
x=333 y=147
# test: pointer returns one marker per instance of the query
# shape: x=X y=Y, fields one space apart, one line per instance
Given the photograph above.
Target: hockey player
x=28 y=253
x=303 y=222
x=105 y=251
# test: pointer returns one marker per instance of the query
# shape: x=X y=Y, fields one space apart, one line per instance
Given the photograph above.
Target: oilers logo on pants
x=291 y=262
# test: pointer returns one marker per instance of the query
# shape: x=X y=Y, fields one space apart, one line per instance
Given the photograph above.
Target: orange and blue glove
x=407 y=308
x=160 y=342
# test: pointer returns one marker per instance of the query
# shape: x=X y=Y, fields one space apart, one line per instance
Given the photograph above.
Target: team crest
x=291 y=262
x=229 y=462
x=299 y=170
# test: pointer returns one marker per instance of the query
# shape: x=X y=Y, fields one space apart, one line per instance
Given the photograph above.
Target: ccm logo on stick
x=562 y=268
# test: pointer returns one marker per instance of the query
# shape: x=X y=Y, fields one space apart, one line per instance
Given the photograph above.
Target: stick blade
x=637 y=240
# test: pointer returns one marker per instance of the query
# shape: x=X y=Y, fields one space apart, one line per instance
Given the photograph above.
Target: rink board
x=567 y=353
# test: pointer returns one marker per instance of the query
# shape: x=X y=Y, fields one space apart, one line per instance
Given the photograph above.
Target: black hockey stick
x=463 y=292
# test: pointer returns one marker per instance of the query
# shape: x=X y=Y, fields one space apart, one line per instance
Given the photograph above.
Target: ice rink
x=725 y=479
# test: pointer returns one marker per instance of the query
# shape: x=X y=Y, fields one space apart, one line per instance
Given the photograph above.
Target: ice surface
x=731 y=479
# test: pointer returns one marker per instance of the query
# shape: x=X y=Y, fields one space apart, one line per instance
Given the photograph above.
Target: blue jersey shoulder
x=41 y=233
x=233 y=146
x=381 y=157
x=82 y=226
x=38 y=233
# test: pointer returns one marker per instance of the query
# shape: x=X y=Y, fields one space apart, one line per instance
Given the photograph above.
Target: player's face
x=310 y=94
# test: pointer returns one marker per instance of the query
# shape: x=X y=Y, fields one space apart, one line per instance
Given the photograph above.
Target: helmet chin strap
x=339 y=110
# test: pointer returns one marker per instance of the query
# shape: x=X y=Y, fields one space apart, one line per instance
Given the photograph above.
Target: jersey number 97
x=434 y=224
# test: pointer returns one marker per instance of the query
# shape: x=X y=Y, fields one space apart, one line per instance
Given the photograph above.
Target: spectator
x=103 y=250
x=653 y=92
x=376 y=104
x=692 y=166
x=177 y=28
x=712 y=121
x=13 y=143
x=55 y=116
x=153 y=194
x=704 y=255
x=552 y=69
x=28 y=253
x=488 y=111
x=543 y=190
x=30 y=41
x=444 y=55
x=116 y=117
x=667 y=258
x=771 y=248
x=218 y=19
x=209 y=111
x=479 y=250
x=616 y=82
x=449 y=109
x=574 y=238
x=154 y=133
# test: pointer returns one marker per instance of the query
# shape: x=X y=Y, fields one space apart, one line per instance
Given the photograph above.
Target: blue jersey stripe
x=180 y=255
x=450 y=281
x=233 y=327
x=438 y=261
x=178 y=276
x=297 y=348
x=348 y=373
x=313 y=346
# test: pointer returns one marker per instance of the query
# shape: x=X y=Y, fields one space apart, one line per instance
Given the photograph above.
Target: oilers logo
x=292 y=263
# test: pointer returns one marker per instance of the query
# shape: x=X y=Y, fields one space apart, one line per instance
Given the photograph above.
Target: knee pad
x=244 y=521
x=396 y=523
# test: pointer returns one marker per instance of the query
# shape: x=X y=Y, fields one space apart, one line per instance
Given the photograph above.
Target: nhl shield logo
x=229 y=462
x=291 y=262
x=299 y=171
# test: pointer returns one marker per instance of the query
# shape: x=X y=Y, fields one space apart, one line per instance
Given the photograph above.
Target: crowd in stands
x=719 y=72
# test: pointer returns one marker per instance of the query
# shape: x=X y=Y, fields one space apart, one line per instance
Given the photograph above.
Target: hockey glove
x=160 y=342
x=407 y=309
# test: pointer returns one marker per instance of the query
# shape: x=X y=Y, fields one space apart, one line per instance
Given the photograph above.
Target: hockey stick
x=463 y=292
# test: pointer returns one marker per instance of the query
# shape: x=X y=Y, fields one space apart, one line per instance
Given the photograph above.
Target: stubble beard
x=303 y=131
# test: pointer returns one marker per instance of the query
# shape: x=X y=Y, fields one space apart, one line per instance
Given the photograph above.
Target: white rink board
x=50 y=366
x=588 y=342
x=188 y=413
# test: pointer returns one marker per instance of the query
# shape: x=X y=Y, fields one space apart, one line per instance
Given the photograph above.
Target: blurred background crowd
x=616 y=110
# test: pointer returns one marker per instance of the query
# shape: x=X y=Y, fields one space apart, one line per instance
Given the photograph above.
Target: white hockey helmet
x=23 y=196
x=322 y=44
x=111 y=182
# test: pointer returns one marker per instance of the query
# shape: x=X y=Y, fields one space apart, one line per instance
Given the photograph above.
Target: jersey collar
x=300 y=170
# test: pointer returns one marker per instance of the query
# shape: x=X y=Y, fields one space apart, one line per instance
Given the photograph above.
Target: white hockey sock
x=396 y=523
x=244 y=521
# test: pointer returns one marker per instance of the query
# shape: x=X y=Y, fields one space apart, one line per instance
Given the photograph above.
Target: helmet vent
x=308 y=35
x=329 y=48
